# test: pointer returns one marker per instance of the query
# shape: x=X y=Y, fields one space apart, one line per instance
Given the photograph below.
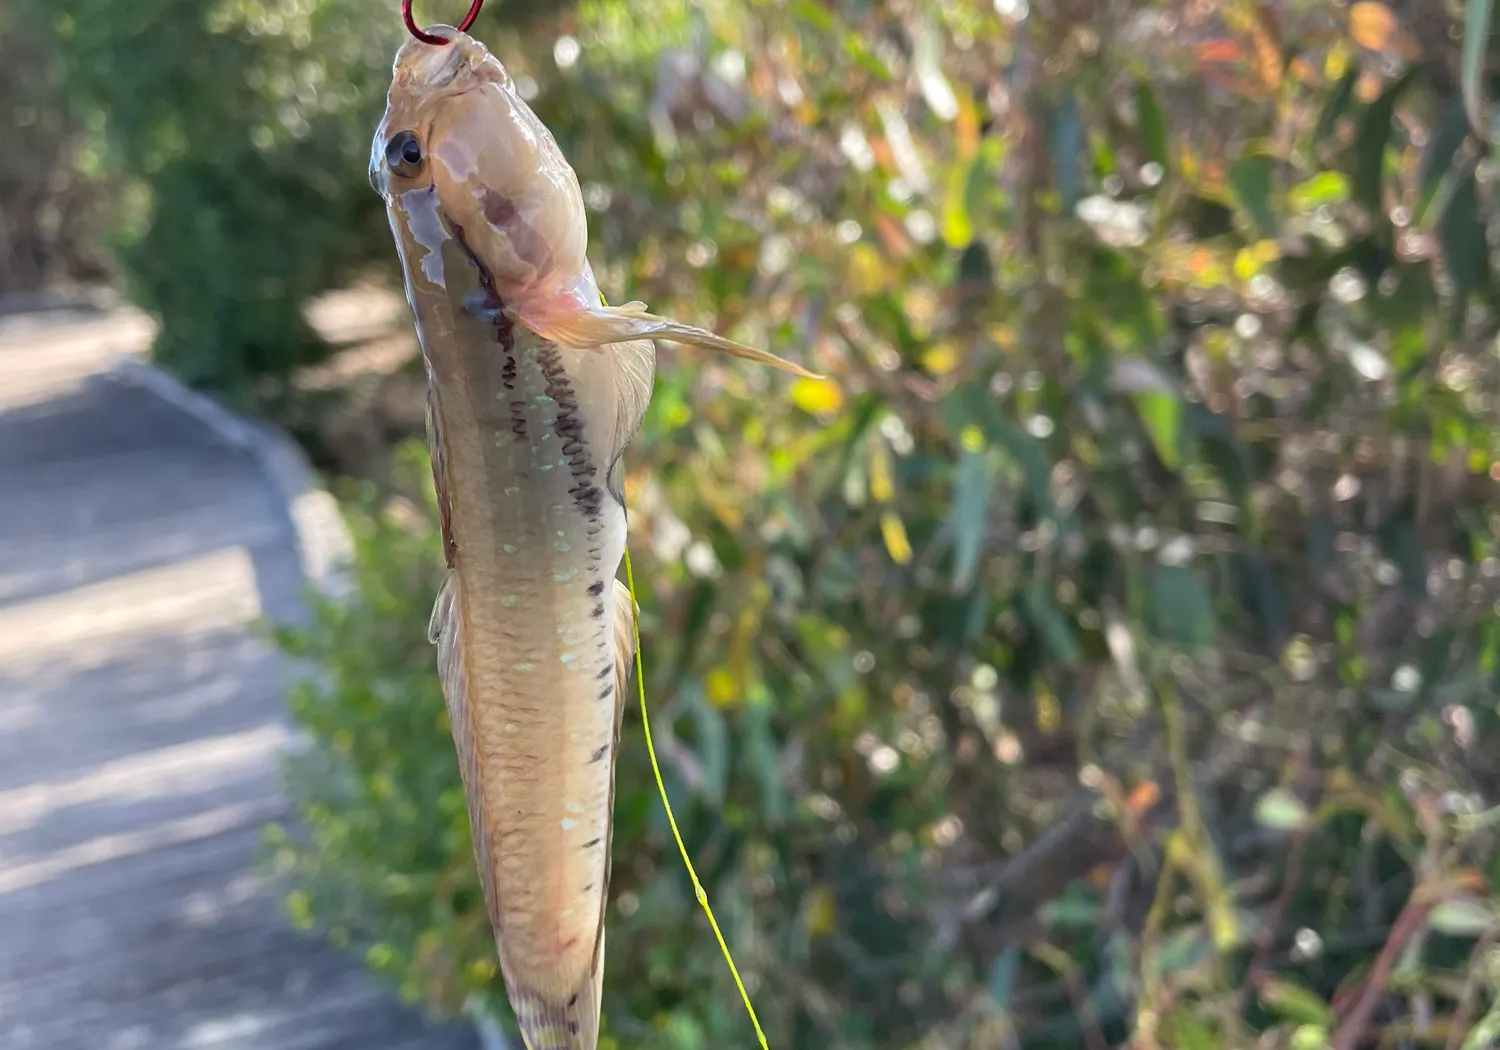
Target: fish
x=534 y=388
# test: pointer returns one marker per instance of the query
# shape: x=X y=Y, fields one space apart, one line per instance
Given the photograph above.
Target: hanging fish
x=534 y=389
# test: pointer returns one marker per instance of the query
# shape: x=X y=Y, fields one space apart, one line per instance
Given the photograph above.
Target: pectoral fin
x=567 y=321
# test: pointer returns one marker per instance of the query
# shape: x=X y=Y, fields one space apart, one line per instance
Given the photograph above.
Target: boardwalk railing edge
x=323 y=543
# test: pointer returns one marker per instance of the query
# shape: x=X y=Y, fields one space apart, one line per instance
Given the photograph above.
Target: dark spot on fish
x=596 y=588
x=573 y=1000
x=599 y=753
x=497 y=209
x=604 y=672
x=569 y=427
x=518 y=419
x=598 y=611
x=592 y=843
x=572 y=1027
x=589 y=498
x=607 y=691
x=492 y=305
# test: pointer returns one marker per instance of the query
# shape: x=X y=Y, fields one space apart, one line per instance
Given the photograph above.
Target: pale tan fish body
x=534 y=389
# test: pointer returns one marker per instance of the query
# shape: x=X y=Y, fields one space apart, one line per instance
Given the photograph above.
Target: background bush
x=238 y=134
x=1108 y=653
x=52 y=200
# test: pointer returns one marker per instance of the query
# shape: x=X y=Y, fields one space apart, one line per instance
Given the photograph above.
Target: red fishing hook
x=428 y=38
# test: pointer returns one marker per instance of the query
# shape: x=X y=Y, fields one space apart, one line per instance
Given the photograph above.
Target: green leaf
x=1153 y=124
x=1461 y=236
x=1486 y=1033
x=1187 y=1031
x=1369 y=147
x=1338 y=105
x=973 y=404
x=1280 y=810
x=1073 y=911
x=1186 y=949
x=1310 y=1037
x=1464 y=917
x=1161 y=413
x=1476 y=41
x=1066 y=138
x=1324 y=188
x=1003 y=974
x=1291 y=1000
x=973 y=484
x=965 y=185
x=765 y=756
x=711 y=737
x=1051 y=623
x=1182 y=610
x=1251 y=178
x=1437 y=158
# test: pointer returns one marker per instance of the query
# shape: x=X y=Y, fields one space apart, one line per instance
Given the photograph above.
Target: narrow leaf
x=1183 y=611
x=1476 y=38
x=1464 y=917
x=972 y=486
x=1162 y=416
x=1153 y=124
x=1370 y=141
x=1292 y=1000
x=1251 y=178
x=1051 y=623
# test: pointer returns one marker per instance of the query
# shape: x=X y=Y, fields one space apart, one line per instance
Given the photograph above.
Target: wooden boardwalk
x=140 y=720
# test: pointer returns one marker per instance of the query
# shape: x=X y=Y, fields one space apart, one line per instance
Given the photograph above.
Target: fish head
x=459 y=156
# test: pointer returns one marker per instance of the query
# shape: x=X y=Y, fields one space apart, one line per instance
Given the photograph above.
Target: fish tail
x=567 y=321
x=555 y=1018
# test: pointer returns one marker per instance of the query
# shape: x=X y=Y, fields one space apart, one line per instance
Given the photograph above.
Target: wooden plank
x=141 y=725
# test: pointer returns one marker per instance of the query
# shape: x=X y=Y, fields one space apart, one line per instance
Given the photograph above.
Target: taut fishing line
x=661 y=787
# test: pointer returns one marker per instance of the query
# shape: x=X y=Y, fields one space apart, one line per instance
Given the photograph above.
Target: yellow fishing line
x=661 y=787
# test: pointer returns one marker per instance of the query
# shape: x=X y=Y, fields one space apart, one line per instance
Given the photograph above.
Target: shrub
x=1110 y=649
x=51 y=198
x=241 y=133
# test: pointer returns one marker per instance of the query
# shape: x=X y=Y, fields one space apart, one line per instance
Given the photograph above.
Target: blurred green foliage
x=52 y=202
x=237 y=133
x=1108 y=654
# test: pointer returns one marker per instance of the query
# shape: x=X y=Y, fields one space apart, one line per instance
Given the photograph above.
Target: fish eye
x=403 y=154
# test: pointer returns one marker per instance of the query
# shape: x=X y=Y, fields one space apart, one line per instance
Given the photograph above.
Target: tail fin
x=557 y=1018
